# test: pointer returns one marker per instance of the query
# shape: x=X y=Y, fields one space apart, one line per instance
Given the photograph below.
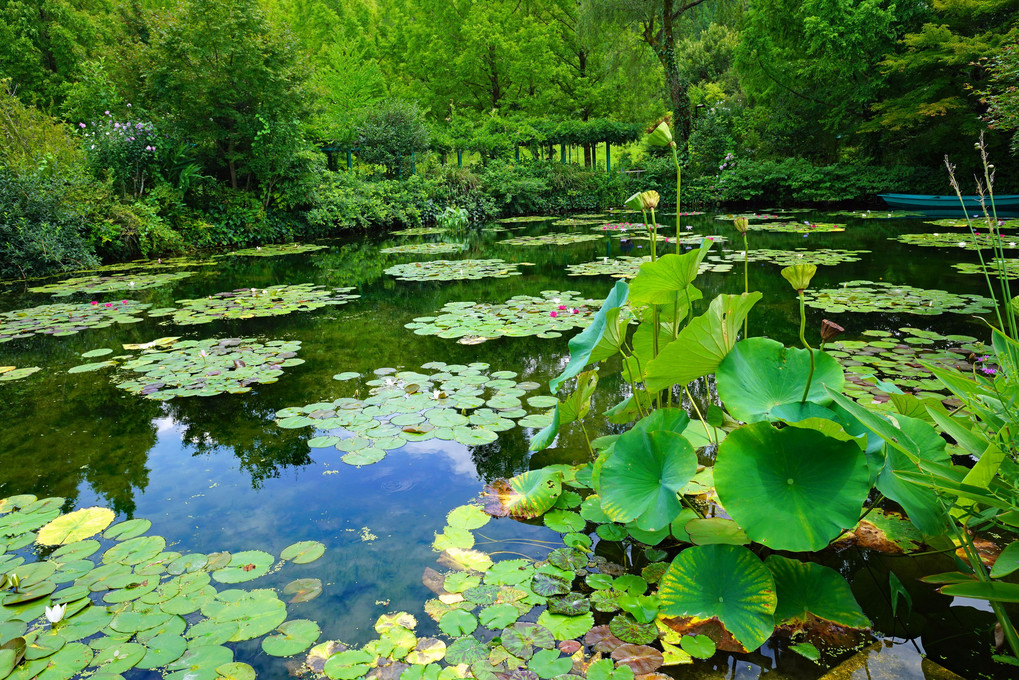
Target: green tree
x=43 y=43
x=1002 y=93
x=932 y=106
x=222 y=74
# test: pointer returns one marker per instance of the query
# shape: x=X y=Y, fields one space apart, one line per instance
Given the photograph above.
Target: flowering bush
x=124 y=150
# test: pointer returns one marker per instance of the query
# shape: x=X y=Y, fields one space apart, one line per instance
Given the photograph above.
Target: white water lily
x=435 y=395
x=962 y=244
x=555 y=300
x=55 y=613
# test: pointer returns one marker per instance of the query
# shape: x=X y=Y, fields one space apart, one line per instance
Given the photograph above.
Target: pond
x=358 y=330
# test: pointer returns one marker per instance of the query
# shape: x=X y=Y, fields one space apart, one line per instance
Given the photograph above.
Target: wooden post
x=350 y=160
x=459 y=158
x=562 y=153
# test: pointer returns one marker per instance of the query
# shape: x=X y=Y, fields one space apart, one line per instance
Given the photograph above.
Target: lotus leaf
x=521 y=315
x=247 y=303
x=273 y=249
x=524 y=496
x=454 y=270
x=109 y=284
x=878 y=214
x=63 y=319
x=880 y=296
x=546 y=240
x=726 y=582
x=424 y=249
x=466 y=650
x=208 y=367
x=806 y=589
x=303 y=590
x=566 y=627
x=808 y=487
x=548 y=663
x=498 y=616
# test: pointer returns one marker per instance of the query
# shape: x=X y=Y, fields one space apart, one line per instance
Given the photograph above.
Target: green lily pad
x=131 y=528
x=12 y=373
x=75 y=526
x=162 y=650
x=292 y=638
x=245 y=566
x=524 y=496
x=453 y=270
x=566 y=627
x=109 y=284
x=246 y=303
x=200 y=663
x=67 y=319
x=424 y=249
x=275 y=249
x=805 y=227
x=881 y=296
x=303 y=552
x=303 y=590
x=983 y=241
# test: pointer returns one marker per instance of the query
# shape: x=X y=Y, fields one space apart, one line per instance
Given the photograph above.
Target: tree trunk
x=587 y=155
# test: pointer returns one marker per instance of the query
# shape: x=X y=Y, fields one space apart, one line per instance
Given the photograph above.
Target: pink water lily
x=109 y=304
x=562 y=306
x=93 y=303
x=553 y=314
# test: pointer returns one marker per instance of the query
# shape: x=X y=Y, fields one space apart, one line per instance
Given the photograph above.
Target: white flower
x=131 y=284
x=555 y=300
x=689 y=228
x=435 y=394
x=962 y=244
x=55 y=613
x=1011 y=244
x=936 y=234
x=202 y=354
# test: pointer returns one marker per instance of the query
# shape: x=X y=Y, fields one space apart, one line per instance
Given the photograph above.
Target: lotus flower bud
x=661 y=135
x=649 y=199
x=799 y=275
x=830 y=330
x=742 y=224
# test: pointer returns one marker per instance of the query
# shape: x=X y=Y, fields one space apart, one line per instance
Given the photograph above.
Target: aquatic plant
x=247 y=303
x=109 y=284
x=144 y=607
x=59 y=320
x=11 y=373
x=275 y=249
x=881 y=296
x=454 y=270
x=804 y=227
x=788 y=258
x=977 y=241
x=549 y=240
x=424 y=249
x=418 y=231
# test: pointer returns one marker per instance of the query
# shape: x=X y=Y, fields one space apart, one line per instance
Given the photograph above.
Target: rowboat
x=926 y=202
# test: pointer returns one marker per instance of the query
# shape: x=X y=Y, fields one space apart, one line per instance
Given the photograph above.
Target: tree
x=1002 y=93
x=222 y=74
x=658 y=23
x=391 y=133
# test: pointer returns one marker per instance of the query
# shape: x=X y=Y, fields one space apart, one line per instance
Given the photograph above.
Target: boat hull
x=925 y=202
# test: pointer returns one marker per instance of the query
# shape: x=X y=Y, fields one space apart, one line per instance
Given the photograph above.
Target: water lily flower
x=553 y=314
x=962 y=244
x=93 y=303
x=109 y=304
x=55 y=613
x=202 y=354
x=555 y=300
x=562 y=306
x=574 y=311
x=689 y=228
x=130 y=284
x=435 y=395
x=936 y=234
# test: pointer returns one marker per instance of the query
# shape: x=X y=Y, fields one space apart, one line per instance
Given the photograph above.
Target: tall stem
x=803 y=339
x=679 y=186
x=746 y=280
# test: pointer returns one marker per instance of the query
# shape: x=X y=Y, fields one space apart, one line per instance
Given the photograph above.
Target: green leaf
x=547 y=434
x=702 y=344
x=698 y=646
x=524 y=496
x=75 y=526
x=566 y=627
x=806 y=650
x=582 y=344
x=724 y=581
x=995 y=591
x=760 y=374
x=805 y=490
x=660 y=281
x=1007 y=562
x=303 y=552
x=292 y=638
x=640 y=480
x=458 y=623
x=548 y=663
x=806 y=588
x=715 y=531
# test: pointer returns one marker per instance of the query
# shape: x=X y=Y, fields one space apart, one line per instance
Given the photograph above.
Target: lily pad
x=67 y=319
x=884 y=297
x=303 y=552
x=424 y=249
x=546 y=240
x=551 y=313
x=247 y=303
x=303 y=590
x=245 y=566
x=292 y=637
x=109 y=284
x=273 y=249
x=454 y=270
x=11 y=373
x=964 y=241
x=788 y=258
x=75 y=526
x=208 y=367
x=804 y=227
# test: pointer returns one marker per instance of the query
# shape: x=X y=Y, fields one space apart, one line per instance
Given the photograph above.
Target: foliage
x=390 y=133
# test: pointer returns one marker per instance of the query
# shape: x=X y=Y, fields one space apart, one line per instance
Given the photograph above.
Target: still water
x=217 y=474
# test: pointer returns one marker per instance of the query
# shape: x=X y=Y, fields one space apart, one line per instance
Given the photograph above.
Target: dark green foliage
x=390 y=133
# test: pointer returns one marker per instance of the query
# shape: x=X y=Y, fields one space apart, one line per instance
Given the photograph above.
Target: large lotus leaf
x=760 y=374
x=702 y=344
x=75 y=526
x=727 y=582
x=909 y=443
x=524 y=496
x=582 y=344
x=659 y=282
x=791 y=489
x=639 y=482
x=807 y=588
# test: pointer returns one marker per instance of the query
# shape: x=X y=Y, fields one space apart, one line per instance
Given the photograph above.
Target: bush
x=390 y=133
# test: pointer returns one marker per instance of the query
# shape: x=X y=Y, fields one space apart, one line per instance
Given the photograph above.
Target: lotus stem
x=746 y=280
x=700 y=416
x=803 y=339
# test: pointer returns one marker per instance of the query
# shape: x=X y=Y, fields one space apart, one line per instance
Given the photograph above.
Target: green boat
x=925 y=202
